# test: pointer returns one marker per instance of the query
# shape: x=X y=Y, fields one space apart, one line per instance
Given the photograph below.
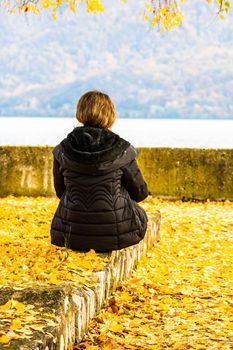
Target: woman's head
x=95 y=108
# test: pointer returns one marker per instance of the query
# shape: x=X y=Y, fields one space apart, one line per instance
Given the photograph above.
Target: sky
x=187 y=73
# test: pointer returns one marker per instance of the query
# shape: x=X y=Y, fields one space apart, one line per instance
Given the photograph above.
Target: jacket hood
x=93 y=150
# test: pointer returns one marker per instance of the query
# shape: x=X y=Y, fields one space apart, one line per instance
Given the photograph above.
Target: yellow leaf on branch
x=168 y=13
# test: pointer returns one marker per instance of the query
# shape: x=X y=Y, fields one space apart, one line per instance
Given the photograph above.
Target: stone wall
x=188 y=173
x=170 y=172
x=26 y=171
x=71 y=308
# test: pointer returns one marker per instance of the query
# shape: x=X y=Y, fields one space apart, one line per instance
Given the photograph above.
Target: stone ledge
x=180 y=173
x=71 y=308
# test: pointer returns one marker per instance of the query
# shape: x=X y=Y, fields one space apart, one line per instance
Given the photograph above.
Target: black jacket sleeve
x=133 y=182
x=58 y=179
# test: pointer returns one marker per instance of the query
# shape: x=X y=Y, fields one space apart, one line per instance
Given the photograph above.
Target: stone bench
x=62 y=313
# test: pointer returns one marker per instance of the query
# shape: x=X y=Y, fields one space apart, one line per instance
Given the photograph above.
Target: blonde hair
x=95 y=108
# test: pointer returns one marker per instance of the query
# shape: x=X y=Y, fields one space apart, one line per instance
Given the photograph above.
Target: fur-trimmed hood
x=93 y=150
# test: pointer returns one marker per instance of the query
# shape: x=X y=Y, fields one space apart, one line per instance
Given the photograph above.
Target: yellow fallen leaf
x=115 y=327
x=5 y=339
x=18 y=306
x=16 y=324
x=6 y=306
x=37 y=327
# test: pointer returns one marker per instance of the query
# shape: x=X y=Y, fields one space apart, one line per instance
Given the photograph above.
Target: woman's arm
x=58 y=179
x=133 y=182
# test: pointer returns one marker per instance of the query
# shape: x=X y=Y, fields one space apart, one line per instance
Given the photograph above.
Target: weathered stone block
x=188 y=173
x=26 y=171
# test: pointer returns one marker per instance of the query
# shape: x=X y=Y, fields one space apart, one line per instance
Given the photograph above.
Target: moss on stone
x=188 y=173
x=26 y=170
x=171 y=172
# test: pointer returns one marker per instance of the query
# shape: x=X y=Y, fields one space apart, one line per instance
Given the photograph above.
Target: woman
x=98 y=182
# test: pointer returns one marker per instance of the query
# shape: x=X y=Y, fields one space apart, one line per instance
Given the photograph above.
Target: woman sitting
x=98 y=182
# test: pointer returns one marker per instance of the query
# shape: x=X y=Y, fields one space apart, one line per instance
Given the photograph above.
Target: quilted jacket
x=98 y=182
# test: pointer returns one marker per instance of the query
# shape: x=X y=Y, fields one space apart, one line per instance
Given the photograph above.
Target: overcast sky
x=187 y=73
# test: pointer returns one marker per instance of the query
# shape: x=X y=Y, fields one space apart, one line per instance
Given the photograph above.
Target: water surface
x=140 y=132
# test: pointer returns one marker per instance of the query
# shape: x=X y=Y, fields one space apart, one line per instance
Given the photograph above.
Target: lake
x=192 y=133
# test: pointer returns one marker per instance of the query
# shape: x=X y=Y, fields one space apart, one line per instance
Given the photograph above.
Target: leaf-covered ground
x=28 y=259
x=27 y=256
x=180 y=297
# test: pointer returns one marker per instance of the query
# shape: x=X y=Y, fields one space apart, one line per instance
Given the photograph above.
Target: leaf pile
x=180 y=296
x=27 y=256
x=29 y=260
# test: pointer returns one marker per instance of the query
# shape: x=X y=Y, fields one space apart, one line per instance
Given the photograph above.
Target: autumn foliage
x=29 y=260
x=162 y=14
x=180 y=296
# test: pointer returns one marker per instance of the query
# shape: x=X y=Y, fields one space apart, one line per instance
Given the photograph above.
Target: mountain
x=187 y=73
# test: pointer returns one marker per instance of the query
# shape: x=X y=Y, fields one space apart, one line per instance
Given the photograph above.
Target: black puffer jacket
x=98 y=181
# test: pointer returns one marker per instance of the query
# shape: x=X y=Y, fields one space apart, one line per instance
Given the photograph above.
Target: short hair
x=95 y=108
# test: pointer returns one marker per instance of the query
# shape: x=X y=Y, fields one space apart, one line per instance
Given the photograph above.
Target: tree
x=164 y=14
